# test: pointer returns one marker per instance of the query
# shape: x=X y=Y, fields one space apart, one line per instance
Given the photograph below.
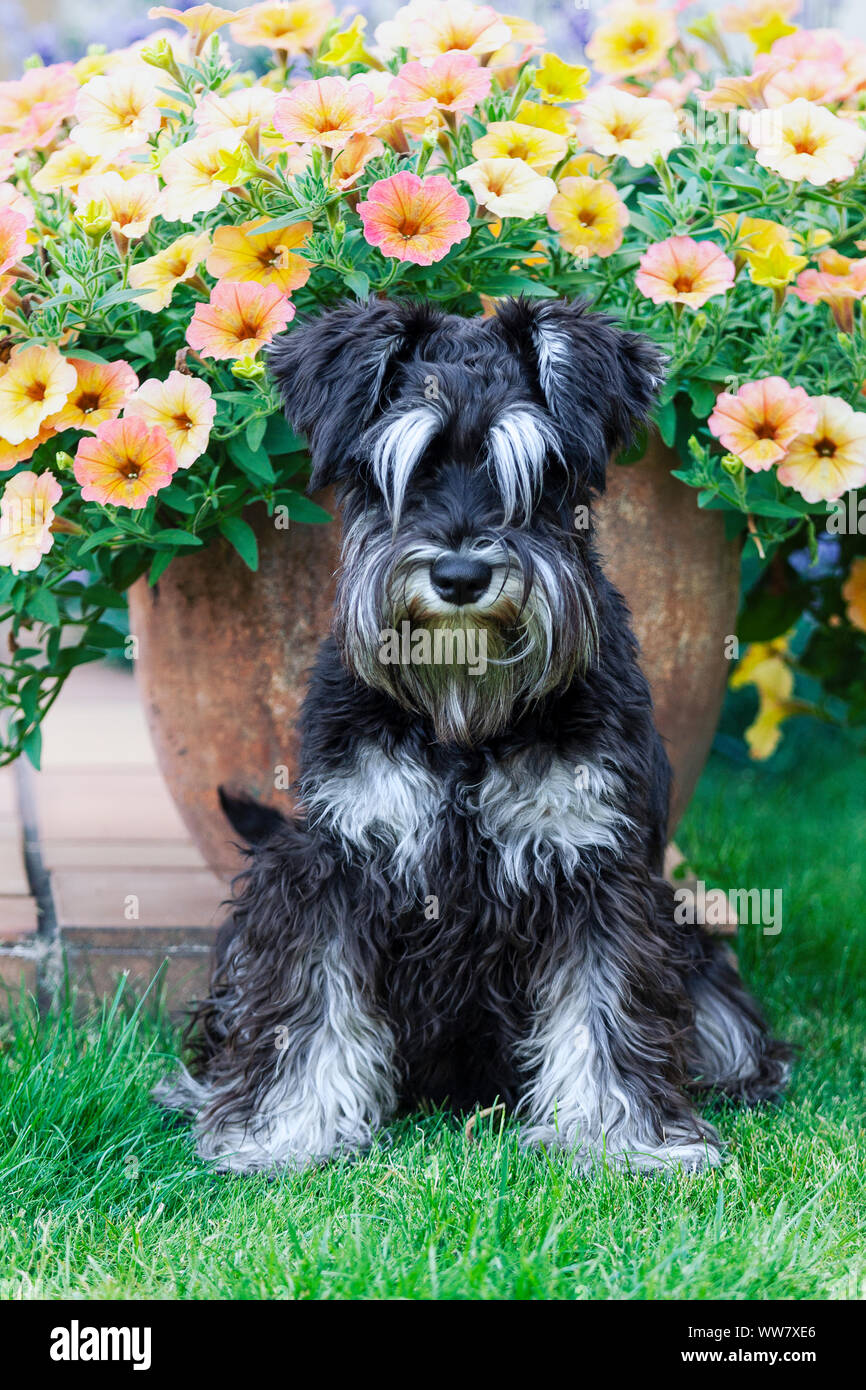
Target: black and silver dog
x=471 y=905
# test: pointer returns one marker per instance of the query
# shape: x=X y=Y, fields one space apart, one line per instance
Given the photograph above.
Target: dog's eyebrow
x=518 y=445
x=397 y=448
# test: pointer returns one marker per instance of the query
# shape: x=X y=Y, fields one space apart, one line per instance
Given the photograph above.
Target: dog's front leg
x=603 y=1055
x=299 y=1061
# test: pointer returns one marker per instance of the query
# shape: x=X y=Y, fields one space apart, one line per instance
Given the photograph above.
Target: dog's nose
x=460 y=578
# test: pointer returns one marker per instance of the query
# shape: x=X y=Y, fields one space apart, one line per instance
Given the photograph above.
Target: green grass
x=101 y=1197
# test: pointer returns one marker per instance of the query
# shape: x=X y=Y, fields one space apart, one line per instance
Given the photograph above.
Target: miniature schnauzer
x=470 y=906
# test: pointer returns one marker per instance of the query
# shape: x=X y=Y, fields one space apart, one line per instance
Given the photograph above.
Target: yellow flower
x=194 y=175
x=589 y=216
x=348 y=47
x=292 y=26
x=764 y=35
x=200 y=21
x=854 y=593
x=26 y=514
x=775 y=267
x=832 y=458
x=615 y=122
x=765 y=667
x=635 y=39
x=584 y=165
x=545 y=117
x=183 y=407
x=508 y=187
x=240 y=253
x=33 y=387
x=118 y=111
x=802 y=141
x=541 y=149
x=65 y=168
x=160 y=274
x=131 y=202
x=558 y=81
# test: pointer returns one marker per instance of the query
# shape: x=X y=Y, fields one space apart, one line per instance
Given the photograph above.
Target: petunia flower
x=65 y=168
x=455 y=81
x=243 y=253
x=765 y=666
x=124 y=463
x=730 y=93
x=760 y=422
x=183 y=407
x=681 y=270
x=414 y=219
x=118 y=111
x=348 y=47
x=559 y=81
x=447 y=26
x=839 y=282
x=634 y=39
x=33 y=108
x=200 y=21
x=854 y=593
x=802 y=141
x=353 y=159
x=815 y=81
x=159 y=275
x=240 y=110
x=589 y=216
x=509 y=187
x=99 y=394
x=131 y=202
x=541 y=149
x=33 y=387
x=614 y=122
x=13 y=238
x=326 y=112
x=26 y=514
x=831 y=459
x=292 y=27
x=195 y=177
x=551 y=118
x=395 y=115
x=239 y=319
x=13 y=454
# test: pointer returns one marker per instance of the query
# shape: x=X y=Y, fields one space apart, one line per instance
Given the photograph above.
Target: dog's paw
x=686 y=1151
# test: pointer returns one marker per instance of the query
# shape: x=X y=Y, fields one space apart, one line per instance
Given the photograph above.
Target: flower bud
x=94 y=218
x=248 y=370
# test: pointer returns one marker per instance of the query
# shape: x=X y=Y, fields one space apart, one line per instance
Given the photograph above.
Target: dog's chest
x=528 y=818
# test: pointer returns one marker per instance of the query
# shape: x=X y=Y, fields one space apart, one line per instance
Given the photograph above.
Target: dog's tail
x=252 y=820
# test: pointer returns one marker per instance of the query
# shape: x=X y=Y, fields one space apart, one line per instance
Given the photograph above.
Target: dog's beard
x=518 y=643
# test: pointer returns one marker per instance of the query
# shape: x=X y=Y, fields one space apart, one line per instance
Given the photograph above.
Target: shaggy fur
x=471 y=906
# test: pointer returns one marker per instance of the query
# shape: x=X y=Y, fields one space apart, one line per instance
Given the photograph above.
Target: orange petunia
x=33 y=108
x=295 y=26
x=239 y=319
x=183 y=406
x=13 y=238
x=353 y=160
x=455 y=81
x=26 y=514
x=33 y=387
x=200 y=21
x=414 y=219
x=839 y=282
x=589 y=216
x=242 y=253
x=159 y=275
x=100 y=393
x=455 y=25
x=762 y=420
x=325 y=112
x=831 y=459
x=124 y=463
x=12 y=454
x=681 y=270
x=132 y=202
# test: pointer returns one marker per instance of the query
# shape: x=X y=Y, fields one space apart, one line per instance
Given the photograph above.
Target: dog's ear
x=250 y=819
x=333 y=370
x=599 y=381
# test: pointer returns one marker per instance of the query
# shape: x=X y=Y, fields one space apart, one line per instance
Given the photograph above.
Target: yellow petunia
x=539 y=148
x=244 y=253
x=559 y=81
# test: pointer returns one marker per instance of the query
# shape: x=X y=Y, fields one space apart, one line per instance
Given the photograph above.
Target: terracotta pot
x=223 y=652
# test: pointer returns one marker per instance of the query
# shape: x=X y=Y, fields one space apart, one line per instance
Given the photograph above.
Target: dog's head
x=466 y=453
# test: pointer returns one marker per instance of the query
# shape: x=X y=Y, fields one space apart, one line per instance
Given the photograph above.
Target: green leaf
x=280 y=438
x=32 y=746
x=43 y=605
x=302 y=509
x=104 y=596
x=358 y=283
x=666 y=417
x=141 y=345
x=516 y=284
x=28 y=697
x=173 y=536
x=175 y=497
x=118 y=296
x=102 y=635
x=255 y=433
x=242 y=537
x=703 y=398
x=255 y=463
x=161 y=562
